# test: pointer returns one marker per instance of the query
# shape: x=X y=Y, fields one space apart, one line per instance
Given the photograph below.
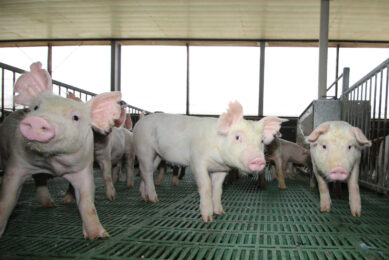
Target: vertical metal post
x=346 y=80
x=50 y=59
x=115 y=65
x=187 y=78
x=2 y=94
x=323 y=48
x=336 y=71
x=261 y=78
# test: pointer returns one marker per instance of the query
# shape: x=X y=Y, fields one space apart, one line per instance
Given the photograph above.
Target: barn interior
x=266 y=223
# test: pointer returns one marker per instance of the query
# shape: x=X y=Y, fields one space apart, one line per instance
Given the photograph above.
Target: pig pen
x=258 y=224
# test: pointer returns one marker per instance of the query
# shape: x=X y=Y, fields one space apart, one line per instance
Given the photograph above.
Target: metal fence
x=9 y=75
x=365 y=105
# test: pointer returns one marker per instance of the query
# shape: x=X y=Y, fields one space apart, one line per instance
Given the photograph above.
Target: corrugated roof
x=350 y=20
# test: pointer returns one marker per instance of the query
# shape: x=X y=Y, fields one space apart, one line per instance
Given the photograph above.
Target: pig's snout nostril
x=338 y=174
x=257 y=164
x=35 y=128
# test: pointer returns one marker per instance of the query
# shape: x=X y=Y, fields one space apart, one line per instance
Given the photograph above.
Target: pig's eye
x=238 y=138
x=324 y=147
x=75 y=118
x=349 y=147
x=36 y=107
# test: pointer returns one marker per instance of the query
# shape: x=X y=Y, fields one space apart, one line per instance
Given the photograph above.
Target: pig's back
x=171 y=136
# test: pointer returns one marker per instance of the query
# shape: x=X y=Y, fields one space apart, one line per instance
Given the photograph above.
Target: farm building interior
x=258 y=223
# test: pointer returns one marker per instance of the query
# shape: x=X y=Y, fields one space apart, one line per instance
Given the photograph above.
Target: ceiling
x=251 y=20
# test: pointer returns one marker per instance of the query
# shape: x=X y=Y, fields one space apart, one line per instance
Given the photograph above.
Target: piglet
x=336 y=153
x=210 y=146
x=53 y=136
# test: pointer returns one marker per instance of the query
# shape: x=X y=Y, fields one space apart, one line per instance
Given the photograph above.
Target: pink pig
x=336 y=153
x=209 y=146
x=54 y=136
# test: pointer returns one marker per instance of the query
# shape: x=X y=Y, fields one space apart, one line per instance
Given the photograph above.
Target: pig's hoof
x=219 y=212
x=67 y=199
x=325 y=208
x=49 y=204
x=175 y=182
x=111 y=195
x=154 y=200
x=207 y=219
x=100 y=234
x=356 y=211
x=130 y=185
x=282 y=187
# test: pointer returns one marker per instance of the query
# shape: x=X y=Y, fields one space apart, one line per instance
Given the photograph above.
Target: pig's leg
x=129 y=167
x=205 y=190
x=217 y=189
x=161 y=171
x=84 y=188
x=261 y=179
x=291 y=170
x=312 y=183
x=325 y=200
x=10 y=191
x=182 y=173
x=116 y=172
x=69 y=196
x=273 y=171
x=175 y=175
x=105 y=166
x=146 y=167
x=279 y=167
x=42 y=191
x=353 y=189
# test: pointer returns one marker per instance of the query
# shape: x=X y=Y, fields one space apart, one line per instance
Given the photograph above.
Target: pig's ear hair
x=71 y=95
x=321 y=129
x=128 y=122
x=234 y=114
x=32 y=84
x=360 y=137
x=104 y=109
x=271 y=127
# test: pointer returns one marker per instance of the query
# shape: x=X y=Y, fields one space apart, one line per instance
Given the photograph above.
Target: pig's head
x=336 y=149
x=243 y=141
x=56 y=125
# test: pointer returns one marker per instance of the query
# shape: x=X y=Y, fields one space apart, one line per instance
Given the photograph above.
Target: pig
x=282 y=153
x=335 y=148
x=53 y=136
x=209 y=146
x=110 y=151
x=162 y=168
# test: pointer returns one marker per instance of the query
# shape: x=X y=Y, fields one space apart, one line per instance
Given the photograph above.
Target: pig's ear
x=321 y=129
x=128 y=122
x=234 y=114
x=271 y=127
x=360 y=137
x=122 y=118
x=32 y=84
x=104 y=110
x=71 y=95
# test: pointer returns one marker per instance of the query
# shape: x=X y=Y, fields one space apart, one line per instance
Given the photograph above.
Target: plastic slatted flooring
x=267 y=224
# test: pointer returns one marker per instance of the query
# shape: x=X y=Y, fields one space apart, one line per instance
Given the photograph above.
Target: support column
x=323 y=48
x=50 y=59
x=261 y=78
x=187 y=78
x=115 y=65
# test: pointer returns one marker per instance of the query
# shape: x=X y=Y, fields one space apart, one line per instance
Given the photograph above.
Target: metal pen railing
x=344 y=79
x=365 y=105
x=9 y=75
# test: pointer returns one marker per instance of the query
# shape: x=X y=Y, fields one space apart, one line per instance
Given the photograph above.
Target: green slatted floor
x=267 y=224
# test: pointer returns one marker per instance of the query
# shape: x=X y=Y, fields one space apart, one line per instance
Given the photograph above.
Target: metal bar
x=369 y=75
x=2 y=94
x=323 y=48
x=50 y=59
x=187 y=80
x=115 y=65
x=261 y=78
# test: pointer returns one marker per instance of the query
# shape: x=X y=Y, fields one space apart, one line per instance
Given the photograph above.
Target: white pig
x=54 y=136
x=336 y=153
x=208 y=145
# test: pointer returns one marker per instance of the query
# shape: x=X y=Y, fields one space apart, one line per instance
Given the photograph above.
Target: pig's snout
x=338 y=174
x=257 y=164
x=35 y=128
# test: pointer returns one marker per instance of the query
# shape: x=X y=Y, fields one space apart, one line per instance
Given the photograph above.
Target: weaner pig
x=54 y=136
x=209 y=146
x=336 y=152
x=281 y=152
